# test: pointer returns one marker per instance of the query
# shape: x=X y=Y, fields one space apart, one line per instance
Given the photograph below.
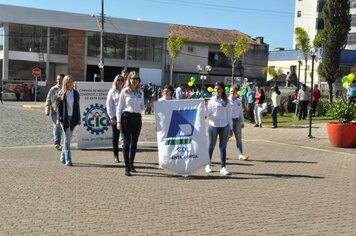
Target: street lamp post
x=203 y=71
x=299 y=59
x=101 y=63
x=313 y=55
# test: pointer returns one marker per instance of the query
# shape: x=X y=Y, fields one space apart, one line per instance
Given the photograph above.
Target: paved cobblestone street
x=292 y=185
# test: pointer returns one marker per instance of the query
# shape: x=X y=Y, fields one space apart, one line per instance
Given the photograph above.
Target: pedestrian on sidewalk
x=220 y=124
x=51 y=109
x=315 y=98
x=276 y=102
x=1 y=92
x=260 y=105
x=237 y=119
x=303 y=100
x=112 y=102
x=68 y=116
x=129 y=119
x=251 y=102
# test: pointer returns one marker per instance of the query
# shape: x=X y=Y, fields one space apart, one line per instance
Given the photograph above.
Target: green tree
x=235 y=52
x=303 y=44
x=273 y=72
x=174 y=45
x=337 y=22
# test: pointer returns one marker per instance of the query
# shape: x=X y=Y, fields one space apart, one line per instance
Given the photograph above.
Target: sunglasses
x=121 y=80
x=135 y=78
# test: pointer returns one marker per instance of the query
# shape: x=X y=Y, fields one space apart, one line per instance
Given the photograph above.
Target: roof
x=208 y=35
x=67 y=20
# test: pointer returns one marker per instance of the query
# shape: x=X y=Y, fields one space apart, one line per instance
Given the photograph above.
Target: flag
x=180 y=124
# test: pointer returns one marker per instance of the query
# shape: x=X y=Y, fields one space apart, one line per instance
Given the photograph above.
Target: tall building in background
x=308 y=16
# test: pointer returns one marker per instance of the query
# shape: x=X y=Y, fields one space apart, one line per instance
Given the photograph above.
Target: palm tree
x=174 y=46
x=273 y=72
x=303 y=44
x=235 y=52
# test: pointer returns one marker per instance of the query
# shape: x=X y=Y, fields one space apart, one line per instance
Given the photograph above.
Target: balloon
x=295 y=101
x=351 y=77
x=213 y=94
x=210 y=89
x=227 y=89
x=193 y=79
x=345 y=79
x=243 y=93
x=344 y=85
x=190 y=84
x=239 y=93
x=350 y=80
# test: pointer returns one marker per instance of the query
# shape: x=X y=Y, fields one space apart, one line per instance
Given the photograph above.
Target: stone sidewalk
x=292 y=185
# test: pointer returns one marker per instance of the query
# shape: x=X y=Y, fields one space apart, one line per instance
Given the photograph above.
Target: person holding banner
x=237 y=119
x=220 y=124
x=112 y=101
x=129 y=119
x=68 y=116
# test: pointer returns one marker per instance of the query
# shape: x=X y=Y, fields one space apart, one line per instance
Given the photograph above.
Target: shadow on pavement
x=287 y=176
x=276 y=161
x=96 y=165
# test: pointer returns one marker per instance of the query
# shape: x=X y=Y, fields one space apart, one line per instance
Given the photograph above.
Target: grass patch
x=289 y=119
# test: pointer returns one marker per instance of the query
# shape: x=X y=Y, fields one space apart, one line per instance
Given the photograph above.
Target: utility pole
x=101 y=63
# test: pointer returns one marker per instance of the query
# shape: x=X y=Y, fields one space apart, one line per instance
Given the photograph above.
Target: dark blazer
x=62 y=114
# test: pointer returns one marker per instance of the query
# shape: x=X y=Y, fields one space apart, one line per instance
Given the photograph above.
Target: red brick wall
x=76 y=54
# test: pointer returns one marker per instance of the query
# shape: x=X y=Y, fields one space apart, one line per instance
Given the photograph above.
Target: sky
x=271 y=19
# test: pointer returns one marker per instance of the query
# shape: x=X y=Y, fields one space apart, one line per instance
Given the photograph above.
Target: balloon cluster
x=346 y=80
x=192 y=81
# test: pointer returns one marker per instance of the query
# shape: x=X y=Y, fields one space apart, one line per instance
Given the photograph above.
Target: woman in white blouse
x=129 y=120
x=220 y=124
x=237 y=119
x=112 y=101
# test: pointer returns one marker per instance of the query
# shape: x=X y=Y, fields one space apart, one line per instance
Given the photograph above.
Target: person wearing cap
x=276 y=102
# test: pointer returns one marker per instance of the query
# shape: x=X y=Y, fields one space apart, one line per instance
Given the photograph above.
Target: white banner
x=181 y=138
x=95 y=130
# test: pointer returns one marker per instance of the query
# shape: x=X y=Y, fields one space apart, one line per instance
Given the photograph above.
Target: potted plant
x=343 y=132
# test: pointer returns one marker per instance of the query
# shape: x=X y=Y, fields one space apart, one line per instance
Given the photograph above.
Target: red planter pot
x=342 y=135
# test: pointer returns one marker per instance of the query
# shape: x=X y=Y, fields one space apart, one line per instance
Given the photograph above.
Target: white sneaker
x=208 y=169
x=243 y=158
x=223 y=171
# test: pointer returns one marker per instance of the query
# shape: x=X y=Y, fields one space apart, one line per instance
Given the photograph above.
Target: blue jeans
x=274 y=116
x=223 y=133
x=66 y=155
x=236 y=127
x=57 y=130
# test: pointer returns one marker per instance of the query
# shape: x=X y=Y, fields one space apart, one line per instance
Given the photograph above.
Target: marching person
x=112 y=101
x=68 y=116
x=237 y=119
x=315 y=98
x=250 y=96
x=276 y=102
x=220 y=124
x=129 y=120
x=51 y=108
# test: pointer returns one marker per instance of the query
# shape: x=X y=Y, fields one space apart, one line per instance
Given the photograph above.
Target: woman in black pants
x=129 y=120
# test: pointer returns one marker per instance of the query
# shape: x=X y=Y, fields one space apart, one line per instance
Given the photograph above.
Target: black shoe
x=116 y=159
x=256 y=125
x=127 y=173
x=260 y=125
x=133 y=169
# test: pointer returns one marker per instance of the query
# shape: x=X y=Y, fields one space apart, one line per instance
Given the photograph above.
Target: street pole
x=299 y=64
x=313 y=55
x=101 y=63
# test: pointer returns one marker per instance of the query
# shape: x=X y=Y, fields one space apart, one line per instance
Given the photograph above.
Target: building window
x=190 y=49
x=293 y=69
x=145 y=48
x=321 y=4
x=28 y=38
x=218 y=59
x=353 y=20
x=58 y=41
x=299 y=13
x=353 y=4
x=114 y=45
x=351 y=38
x=319 y=24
